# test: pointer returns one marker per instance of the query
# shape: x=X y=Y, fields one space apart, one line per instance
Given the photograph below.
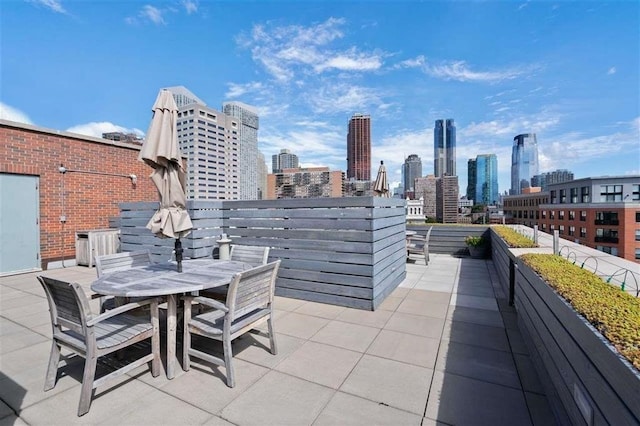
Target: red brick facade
x=89 y=199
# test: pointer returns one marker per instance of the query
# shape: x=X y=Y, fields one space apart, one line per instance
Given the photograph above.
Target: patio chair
x=253 y=255
x=109 y=263
x=419 y=244
x=248 y=305
x=78 y=330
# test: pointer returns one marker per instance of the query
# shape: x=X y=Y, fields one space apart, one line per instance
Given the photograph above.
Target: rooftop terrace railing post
x=556 y=242
x=512 y=280
x=535 y=234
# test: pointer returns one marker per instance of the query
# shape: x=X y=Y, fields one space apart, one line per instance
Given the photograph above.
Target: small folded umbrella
x=162 y=152
x=381 y=186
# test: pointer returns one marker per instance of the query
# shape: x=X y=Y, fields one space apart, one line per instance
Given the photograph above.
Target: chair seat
x=112 y=331
x=212 y=322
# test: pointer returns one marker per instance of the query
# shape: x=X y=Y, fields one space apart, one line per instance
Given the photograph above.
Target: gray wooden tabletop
x=162 y=279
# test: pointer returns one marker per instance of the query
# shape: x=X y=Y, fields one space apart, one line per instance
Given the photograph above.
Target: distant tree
x=478 y=208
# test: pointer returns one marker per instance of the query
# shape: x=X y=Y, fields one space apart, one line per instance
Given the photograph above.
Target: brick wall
x=87 y=200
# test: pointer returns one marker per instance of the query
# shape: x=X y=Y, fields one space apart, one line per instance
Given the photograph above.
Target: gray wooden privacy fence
x=345 y=251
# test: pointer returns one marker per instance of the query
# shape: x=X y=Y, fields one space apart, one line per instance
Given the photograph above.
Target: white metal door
x=19 y=224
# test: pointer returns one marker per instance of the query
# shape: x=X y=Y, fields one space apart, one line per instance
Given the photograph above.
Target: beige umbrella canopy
x=161 y=151
x=381 y=186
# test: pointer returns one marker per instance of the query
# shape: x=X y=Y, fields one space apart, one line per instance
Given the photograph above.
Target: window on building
x=609 y=193
x=544 y=226
x=561 y=215
x=637 y=217
x=574 y=195
x=552 y=227
x=583 y=232
x=584 y=194
x=636 y=192
x=537 y=214
x=637 y=253
x=607 y=218
x=610 y=250
x=544 y=214
x=554 y=196
x=572 y=230
x=583 y=215
x=561 y=229
x=572 y=215
x=563 y=196
x=552 y=214
x=637 y=234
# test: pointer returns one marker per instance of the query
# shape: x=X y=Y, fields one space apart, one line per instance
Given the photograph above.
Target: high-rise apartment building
x=411 y=170
x=557 y=176
x=426 y=189
x=359 y=148
x=284 y=160
x=312 y=182
x=524 y=162
x=444 y=148
x=248 y=152
x=210 y=140
x=486 y=180
x=263 y=171
x=447 y=199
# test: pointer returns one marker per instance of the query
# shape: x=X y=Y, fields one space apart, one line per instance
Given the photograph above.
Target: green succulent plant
x=474 y=241
x=512 y=238
x=614 y=313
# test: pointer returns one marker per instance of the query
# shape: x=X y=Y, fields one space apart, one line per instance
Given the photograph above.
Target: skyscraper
x=447 y=199
x=486 y=179
x=411 y=170
x=444 y=148
x=471 y=179
x=284 y=160
x=524 y=162
x=359 y=148
x=248 y=153
x=549 y=178
x=209 y=139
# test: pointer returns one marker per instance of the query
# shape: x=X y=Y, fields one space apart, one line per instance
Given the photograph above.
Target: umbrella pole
x=178 y=248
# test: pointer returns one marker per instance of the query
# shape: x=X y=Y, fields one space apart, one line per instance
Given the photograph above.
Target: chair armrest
x=207 y=301
x=120 y=310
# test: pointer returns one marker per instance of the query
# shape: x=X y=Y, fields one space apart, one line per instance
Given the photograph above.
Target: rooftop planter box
x=503 y=240
x=587 y=377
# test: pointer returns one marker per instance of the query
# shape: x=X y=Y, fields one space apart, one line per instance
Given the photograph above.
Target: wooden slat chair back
x=109 y=263
x=122 y=261
x=254 y=255
x=248 y=305
x=77 y=329
x=419 y=244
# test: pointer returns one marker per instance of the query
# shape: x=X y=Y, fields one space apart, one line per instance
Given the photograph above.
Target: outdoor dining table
x=163 y=279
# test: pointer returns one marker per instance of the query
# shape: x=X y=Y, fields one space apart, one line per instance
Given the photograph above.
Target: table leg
x=172 y=311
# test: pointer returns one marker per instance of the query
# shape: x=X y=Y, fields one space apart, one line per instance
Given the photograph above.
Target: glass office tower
x=444 y=148
x=487 y=179
x=411 y=170
x=248 y=138
x=524 y=162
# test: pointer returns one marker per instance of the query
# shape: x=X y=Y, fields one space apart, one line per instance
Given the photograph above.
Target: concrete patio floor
x=443 y=349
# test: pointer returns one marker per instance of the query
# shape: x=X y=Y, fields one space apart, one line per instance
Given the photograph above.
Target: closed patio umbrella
x=381 y=186
x=161 y=151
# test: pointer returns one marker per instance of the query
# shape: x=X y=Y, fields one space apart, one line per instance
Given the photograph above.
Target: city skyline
x=91 y=67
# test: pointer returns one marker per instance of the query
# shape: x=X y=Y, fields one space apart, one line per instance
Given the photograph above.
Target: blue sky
x=568 y=71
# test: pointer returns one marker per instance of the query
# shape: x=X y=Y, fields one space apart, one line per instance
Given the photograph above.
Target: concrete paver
x=443 y=349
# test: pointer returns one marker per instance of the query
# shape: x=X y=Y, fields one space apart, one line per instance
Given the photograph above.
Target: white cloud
x=237 y=90
x=13 y=114
x=461 y=71
x=287 y=51
x=345 y=98
x=190 y=6
x=153 y=14
x=96 y=129
x=54 y=5
x=611 y=71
